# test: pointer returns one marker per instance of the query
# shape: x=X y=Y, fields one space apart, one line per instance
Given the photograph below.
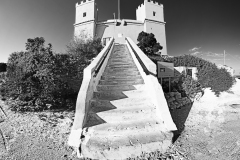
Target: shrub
x=38 y=79
x=148 y=43
x=209 y=75
x=191 y=87
x=81 y=51
x=31 y=76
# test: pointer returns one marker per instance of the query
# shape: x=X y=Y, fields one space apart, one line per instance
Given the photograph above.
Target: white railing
x=148 y=71
x=91 y=76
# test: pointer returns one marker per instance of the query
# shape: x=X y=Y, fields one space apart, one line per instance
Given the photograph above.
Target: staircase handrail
x=148 y=71
x=148 y=66
x=85 y=93
x=97 y=62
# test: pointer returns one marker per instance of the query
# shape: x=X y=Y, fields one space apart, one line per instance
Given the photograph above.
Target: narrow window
x=189 y=72
x=162 y=69
x=84 y=14
x=154 y=13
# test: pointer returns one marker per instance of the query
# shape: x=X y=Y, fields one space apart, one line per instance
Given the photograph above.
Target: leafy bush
x=189 y=87
x=209 y=75
x=38 y=79
x=31 y=76
x=148 y=43
x=81 y=51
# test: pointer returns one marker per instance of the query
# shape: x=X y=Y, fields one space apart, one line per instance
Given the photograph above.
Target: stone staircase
x=122 y=121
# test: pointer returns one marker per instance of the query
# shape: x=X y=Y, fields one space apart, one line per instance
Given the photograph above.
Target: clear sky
x=203 y=28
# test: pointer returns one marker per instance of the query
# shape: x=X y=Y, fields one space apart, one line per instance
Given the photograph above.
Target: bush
x=39 y=79
x=148 y=43
x=81 y=51
x=209 y=75
x=31 y=75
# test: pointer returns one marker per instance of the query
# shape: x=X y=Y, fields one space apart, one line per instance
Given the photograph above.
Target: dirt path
x=212 y=128
x=40 y=136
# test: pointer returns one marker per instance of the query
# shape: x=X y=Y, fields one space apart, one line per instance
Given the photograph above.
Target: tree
x=148 y=43
x=82 y=50
x=38 y=76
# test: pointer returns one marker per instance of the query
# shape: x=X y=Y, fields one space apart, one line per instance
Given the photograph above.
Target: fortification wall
x=85 y=11
x=150 y=10
x=85 y=29
x=141 y=13
x=154 y=11
x=119 y=31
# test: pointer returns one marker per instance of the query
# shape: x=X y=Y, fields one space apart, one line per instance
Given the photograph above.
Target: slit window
x=154 y=13
x=162 y=69
x=84 y=14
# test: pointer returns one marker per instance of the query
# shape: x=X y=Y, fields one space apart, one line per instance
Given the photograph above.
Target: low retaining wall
x=148 y=71
x=91 y=76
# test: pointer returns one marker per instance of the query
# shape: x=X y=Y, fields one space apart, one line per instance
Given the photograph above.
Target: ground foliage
x=39 y=79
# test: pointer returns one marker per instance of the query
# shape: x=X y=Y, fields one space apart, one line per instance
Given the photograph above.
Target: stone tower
x=85 y=21
x=151 y=14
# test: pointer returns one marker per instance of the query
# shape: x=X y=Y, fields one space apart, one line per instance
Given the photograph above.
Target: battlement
x=83 y=2
x=150 y=10
x=152 y=2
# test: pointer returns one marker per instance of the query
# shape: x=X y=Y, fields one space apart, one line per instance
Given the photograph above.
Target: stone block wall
x=175 y=100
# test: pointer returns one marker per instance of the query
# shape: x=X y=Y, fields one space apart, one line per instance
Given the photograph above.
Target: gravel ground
x=211 y=132
x=31 y=136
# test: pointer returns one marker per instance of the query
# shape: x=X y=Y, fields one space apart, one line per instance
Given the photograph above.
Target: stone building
x=149 y=18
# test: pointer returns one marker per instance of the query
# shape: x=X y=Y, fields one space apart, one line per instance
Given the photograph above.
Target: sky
x=203 y=28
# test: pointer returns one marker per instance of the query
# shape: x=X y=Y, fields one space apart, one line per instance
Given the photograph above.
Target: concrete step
x=121 y=66
x=135 y=105
x=121 y=146
x=129 y=102
x=121 y=77
x=121 y=82
x=120 y=69
x=115 y=87
x=113 y=72
x=128 y=125
x=121 y=59
x=120 y=63
x=122 y=115
x=114 y=95
x=121 y=74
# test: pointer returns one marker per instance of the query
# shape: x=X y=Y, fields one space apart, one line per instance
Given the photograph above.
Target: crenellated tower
x=151 y=14
x=85 y=21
